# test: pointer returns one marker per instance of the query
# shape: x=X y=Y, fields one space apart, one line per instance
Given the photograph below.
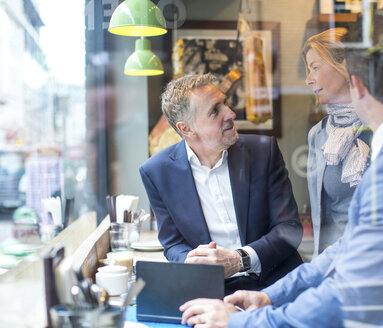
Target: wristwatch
x=245 y=260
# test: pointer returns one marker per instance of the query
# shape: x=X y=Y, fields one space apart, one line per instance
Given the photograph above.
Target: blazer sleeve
x=285 y=230
x=316 y=307
x=175 y=246
x=305 y=276
x=359 y=269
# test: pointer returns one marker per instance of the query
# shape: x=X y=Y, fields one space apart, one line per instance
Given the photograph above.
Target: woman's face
x=326 y=82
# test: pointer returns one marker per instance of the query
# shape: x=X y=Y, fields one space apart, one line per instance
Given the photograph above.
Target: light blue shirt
x=343 y=285
x=377 y=142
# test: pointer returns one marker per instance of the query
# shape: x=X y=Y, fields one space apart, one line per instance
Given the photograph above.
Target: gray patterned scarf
x=343 y=145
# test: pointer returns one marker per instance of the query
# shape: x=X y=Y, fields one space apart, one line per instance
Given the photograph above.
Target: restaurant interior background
x=72 y=124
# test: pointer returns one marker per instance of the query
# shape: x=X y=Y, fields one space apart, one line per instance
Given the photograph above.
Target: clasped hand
x=213 y=254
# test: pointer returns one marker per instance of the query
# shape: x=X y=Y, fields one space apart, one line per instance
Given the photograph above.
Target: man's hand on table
x=211 y=254
x=248 y=300
x=203 y=312
x=209 y=313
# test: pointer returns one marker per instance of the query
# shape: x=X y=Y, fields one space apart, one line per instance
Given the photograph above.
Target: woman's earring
x=348 y=83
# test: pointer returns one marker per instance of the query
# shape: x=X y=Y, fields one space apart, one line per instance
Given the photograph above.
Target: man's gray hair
x=175 y=99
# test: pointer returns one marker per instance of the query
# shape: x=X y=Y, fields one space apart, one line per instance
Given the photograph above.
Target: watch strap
x=245 y=260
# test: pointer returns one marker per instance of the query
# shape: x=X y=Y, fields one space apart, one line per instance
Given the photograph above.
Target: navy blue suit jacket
x=264 y=204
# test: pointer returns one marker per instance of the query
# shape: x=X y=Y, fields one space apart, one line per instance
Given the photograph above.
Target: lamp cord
x=238 y=33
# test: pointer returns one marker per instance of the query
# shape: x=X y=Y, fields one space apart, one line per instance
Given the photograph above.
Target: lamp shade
x=143 y=61
x=137 y=18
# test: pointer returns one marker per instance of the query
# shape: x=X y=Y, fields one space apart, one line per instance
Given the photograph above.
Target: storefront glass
x=42 y=99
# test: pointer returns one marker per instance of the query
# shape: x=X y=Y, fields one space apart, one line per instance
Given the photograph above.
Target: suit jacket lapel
x=184 y=181
x=239 y=169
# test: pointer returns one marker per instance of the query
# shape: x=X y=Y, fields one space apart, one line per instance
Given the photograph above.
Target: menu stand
x=50 y=260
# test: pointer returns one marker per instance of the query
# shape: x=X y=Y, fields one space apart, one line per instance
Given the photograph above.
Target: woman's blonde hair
x=330 y=48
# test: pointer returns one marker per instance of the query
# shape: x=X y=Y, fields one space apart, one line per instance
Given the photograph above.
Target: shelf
x=345 y=18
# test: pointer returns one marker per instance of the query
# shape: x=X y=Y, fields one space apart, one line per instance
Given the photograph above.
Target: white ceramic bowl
x=112 y=269
x=114 y=283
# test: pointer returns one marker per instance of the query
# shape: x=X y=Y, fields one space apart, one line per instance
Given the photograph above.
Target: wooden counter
x=22 y=288
x=22 y=302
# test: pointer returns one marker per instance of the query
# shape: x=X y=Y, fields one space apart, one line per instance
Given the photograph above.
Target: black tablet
x=169 y=285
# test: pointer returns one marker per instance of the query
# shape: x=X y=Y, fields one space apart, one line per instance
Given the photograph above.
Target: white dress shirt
x=216 y=198
x=377 y=142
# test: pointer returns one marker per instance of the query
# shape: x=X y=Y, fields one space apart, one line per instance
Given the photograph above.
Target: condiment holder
x=90 y=305
x=48 y=231
x=119 y=237
x=122 y=235
x=65 y=316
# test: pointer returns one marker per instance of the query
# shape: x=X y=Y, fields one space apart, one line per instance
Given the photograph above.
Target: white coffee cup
x=114 y=278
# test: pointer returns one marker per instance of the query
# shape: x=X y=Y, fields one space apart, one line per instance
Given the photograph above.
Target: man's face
x=361 y=108
x=213 y=125
x=355 y=101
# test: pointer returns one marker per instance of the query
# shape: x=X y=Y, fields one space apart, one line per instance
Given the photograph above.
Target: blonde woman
x=338 y=144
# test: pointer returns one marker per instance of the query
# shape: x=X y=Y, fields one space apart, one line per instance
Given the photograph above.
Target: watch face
x=246 y=263
x=245 y=260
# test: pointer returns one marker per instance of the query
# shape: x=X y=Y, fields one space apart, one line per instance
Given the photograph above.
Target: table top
x=130 y=316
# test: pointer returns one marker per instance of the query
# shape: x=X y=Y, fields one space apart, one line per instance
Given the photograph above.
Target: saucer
x=20 y=249
x=147 y=246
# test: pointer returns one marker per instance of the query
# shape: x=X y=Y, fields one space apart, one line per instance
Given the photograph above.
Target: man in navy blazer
x=220 y=198
x=343 y=286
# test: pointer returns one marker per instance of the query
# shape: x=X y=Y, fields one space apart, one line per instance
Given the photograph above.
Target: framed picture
x=214 y=46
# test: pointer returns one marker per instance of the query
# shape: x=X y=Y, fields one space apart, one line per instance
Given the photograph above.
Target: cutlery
x=76 y=297
x=85 y=289
x=114 y=206
x=111 y=208
x=127 y=216
x=68 y=211
x=144 y=217
x=100 y=296
x=134 y=290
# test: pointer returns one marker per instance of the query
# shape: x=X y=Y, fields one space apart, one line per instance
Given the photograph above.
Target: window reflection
x=42 y=105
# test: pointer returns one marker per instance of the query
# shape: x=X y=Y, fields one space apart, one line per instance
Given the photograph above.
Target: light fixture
x=137 y=18
x=143 y=61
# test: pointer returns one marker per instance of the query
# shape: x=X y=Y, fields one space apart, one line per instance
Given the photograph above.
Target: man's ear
x=184 y=128
x=358 y=86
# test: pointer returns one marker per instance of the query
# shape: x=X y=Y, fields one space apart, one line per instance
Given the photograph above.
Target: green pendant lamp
x=143 y=61
x=137 y=18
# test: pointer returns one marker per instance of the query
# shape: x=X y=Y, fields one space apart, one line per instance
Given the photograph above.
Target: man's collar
x=190 y=152
x=193 y=158
x=377 y=142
